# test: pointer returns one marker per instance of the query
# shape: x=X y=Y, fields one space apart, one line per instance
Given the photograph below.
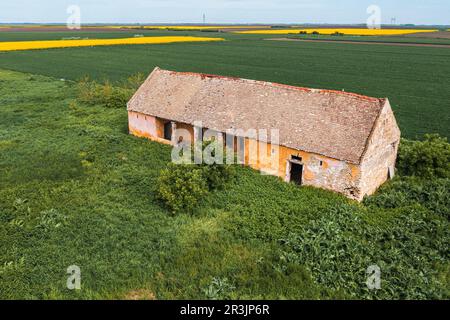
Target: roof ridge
x=275 y=84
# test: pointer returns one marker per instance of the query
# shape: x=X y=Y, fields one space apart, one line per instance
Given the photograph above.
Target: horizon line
x=220 y=24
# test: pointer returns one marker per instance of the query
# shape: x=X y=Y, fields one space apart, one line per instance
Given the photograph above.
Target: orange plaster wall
x=333 y=174
x=145 y=126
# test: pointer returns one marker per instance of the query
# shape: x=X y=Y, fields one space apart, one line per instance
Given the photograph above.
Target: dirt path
x=430 y=45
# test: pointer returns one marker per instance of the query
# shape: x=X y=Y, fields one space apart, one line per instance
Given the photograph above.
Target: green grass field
x=414 y=79
x=57 y=35
x=77 y=189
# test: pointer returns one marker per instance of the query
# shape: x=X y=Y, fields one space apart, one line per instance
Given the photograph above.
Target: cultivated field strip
x=52 y=44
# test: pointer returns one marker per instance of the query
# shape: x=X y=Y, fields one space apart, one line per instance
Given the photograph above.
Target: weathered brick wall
x=381 y=153
x=334 y=175
x=318 y=171
x=324 y=172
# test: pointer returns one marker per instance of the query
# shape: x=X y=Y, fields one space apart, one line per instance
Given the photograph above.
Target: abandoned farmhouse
x=328 y=139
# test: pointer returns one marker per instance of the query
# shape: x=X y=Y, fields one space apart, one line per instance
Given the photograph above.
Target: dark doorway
x=168 y=131
x=296 y=173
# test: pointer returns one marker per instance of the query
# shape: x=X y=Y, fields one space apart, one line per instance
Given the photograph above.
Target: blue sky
x=226 y=11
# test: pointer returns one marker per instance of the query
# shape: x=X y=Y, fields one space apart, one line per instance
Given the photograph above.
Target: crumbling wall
x=318 y=171
x=324 y=172
x=379 y=159
x=335 y=175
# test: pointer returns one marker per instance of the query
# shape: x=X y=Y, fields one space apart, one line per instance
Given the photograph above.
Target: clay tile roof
x=331 y=123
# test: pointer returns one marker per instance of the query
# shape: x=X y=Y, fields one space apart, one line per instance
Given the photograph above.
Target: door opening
x=168 y=131
x=296 y=173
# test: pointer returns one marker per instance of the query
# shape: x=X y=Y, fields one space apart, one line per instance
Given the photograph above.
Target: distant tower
x=204 y=18
x=393 y=21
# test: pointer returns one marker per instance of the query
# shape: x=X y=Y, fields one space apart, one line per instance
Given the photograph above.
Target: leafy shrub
x=181 y=187
x=93 y=93
x=427 y=158
x=216 y=175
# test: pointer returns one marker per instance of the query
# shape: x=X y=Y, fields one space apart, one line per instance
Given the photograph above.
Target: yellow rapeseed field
x=346 y=31
x=33 y=45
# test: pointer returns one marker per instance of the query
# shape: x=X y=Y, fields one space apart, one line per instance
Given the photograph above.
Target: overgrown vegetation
x=85 y=192
x=183 y=186
x=429 y=158
x=106 y=94
x=409 y=245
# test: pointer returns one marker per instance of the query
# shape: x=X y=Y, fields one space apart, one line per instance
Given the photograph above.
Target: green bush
x=111 y=96
x=181 y=187
x=216 y=175
x=427 y=158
